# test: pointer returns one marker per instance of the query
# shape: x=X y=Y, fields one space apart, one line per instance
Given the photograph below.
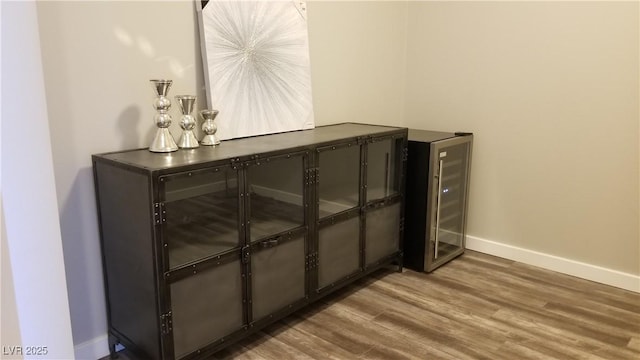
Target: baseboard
x=551 y=262
x=94 y=349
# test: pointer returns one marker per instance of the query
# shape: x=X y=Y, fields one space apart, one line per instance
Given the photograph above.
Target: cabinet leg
x=113 y=341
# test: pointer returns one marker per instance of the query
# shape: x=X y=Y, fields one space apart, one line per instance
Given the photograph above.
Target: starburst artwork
x=256 y=59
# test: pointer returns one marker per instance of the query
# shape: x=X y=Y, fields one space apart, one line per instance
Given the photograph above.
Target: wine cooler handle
x=435 y=251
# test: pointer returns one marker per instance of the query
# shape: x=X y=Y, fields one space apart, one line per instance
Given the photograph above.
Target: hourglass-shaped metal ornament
x=187 y=122
x=209 y=127
x=163 y=141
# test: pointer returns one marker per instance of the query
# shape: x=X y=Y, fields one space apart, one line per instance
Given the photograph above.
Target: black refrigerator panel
x=438 y=167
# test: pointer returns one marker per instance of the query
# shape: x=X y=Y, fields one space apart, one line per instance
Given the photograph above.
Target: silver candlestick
x=163 y=141
x=187 y=122
x=209 y=127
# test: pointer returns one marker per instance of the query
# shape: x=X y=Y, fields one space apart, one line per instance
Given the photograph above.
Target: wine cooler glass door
x=449 y=193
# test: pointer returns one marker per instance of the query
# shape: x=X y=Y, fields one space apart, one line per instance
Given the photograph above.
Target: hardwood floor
x=475 y=307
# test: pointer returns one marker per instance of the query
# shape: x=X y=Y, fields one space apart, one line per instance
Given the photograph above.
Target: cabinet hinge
x=312 y=261
x=307 y=176
x=236 y=163
x=405 y=153
x=159 y=213
x=401 y=224
x=166 y=323
x=246 y=254
x=311 y=176
x=363 y=139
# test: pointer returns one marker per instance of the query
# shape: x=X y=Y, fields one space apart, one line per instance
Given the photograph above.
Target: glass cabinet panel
x=201 y=214
x=383 y=168
x=206 y=307
x=276 y=196
x=339 y=180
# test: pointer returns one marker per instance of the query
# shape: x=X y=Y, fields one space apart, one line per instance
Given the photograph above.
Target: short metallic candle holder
x=163 y=141
x=209 y=127
x=187 y=122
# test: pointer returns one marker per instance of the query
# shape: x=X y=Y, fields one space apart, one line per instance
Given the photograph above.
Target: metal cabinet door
x=278 y=275
x=205 y=308
x=339 y=202
x=277 y=210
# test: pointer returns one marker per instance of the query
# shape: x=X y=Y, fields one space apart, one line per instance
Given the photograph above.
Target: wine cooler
x=438 y=166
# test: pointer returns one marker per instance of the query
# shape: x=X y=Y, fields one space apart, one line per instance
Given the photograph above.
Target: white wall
x=358 y=56
x=550 y=90
x=35 y=308
x=98 y=57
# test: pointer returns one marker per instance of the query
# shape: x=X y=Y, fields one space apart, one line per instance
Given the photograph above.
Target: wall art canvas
x=257 y=71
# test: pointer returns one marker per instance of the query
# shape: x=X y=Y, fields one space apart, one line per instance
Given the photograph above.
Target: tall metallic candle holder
x=209 y=127
x=187 y=122
x=163 y=141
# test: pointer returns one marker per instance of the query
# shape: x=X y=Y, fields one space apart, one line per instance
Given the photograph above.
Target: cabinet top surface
x=239 y=148
x=429 y=136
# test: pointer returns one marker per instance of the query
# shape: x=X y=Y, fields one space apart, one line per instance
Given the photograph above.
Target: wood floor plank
x=617 y=353
x=457 y=320
x=634 y=343
x=310 y=344
x=558 y=350
x=273 y=348
x=355 y=345
x=502 y=285
x=422 y=286
x=560 y=330
x=368 y=332
x=588 y=291
x=475 y=307
x=540 y=351
x=433 y=334
x=597 y=318
x=364 y=309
